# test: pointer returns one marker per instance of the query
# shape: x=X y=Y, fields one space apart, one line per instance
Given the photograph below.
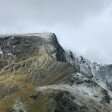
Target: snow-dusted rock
x=98 y=73
x=19 y=106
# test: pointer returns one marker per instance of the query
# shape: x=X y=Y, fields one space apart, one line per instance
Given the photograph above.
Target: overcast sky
x=83 y=26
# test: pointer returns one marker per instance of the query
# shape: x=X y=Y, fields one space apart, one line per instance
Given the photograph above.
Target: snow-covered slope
x=101 y=74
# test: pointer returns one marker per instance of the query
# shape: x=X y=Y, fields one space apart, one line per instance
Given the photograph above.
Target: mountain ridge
x=36 y=72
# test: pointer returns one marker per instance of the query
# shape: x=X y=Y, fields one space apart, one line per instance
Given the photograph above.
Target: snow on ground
x=1 y=52
x=19 y=106
x=97 y=72
x=75 y=89
x=55 y=87
x=9 y=54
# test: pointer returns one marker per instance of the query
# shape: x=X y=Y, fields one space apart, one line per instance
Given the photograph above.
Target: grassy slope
x=29 y=74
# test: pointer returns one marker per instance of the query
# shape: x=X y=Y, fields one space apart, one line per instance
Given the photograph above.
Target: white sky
x=83 y=26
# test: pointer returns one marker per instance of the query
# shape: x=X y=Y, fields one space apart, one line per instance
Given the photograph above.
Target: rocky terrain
x=38 y=75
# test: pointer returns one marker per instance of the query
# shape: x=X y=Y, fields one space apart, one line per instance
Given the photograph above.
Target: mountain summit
x=38 y=75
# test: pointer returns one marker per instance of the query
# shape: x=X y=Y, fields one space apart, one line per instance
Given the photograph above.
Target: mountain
x=38 y=75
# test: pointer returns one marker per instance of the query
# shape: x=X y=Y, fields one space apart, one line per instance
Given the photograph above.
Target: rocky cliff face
x=38 y=75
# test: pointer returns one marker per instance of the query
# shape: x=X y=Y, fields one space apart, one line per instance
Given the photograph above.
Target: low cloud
x=83 y=26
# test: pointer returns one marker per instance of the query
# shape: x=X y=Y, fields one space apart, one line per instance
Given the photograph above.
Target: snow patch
x=12 y=37
x=19 y=106
x=9 y=54
x=1 y=52
x=14 y=46
x=75 y=89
